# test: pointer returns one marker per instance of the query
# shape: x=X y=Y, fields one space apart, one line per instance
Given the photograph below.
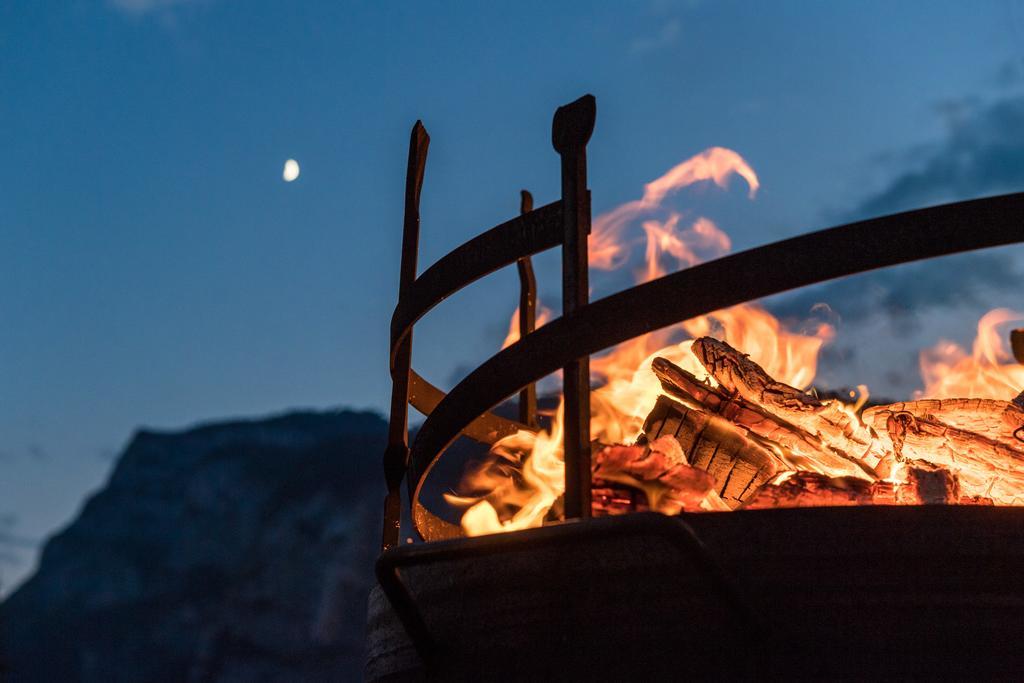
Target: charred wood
x=737 y=462
x=748 y=431
x=840 y=431
x=793 y=445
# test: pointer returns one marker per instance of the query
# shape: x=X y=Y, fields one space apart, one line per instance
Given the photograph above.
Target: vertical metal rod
x=527 y=318
x=570 y=131
x=396 y=455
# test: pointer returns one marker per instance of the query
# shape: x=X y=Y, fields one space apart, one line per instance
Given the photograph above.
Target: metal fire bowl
x=824 y=593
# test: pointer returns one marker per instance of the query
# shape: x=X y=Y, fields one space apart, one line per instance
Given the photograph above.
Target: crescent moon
x=291 y=170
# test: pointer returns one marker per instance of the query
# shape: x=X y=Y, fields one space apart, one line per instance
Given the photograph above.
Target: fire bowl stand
x=567 y=342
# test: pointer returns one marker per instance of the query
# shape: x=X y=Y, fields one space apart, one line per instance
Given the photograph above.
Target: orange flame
x=988 y=372
x=607 y=248
x=629 y=387
x=526 y=477
x=543 y=317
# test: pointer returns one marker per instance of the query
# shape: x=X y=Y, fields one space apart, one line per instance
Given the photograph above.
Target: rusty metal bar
x=485 y=429
x=527 y=318
x=741 y=277
x=501 y=246
x=396 y=456
x=570 y=132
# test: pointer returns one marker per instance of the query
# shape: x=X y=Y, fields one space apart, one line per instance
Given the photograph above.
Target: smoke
x=905 y=293
x=982 y=154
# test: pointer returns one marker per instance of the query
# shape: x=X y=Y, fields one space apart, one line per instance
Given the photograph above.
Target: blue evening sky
x=156 y=271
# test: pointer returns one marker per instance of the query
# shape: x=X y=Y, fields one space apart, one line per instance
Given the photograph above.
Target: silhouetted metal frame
x=566 y=223
x=527 y=318
x=587 y=328
x=570 y=131
x=396 y=456
x=592 y=327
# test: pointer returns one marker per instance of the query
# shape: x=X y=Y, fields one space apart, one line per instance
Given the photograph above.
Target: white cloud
x=140 y=7
x=663 y=38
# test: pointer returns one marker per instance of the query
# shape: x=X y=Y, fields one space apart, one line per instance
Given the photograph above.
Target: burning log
x=836 y=428
x=906 y=453
x=662 y=473
x=609 y=498
x=928 y=484
x=924 y=484
x=985 y=464
x=737 y=462
x=794 y=446
x=1000 y=421
x=813 y=489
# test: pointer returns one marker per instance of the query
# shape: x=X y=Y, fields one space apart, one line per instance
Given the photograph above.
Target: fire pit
x=860 y=578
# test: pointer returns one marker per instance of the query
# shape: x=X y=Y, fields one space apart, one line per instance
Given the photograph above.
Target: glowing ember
x=732 y=390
